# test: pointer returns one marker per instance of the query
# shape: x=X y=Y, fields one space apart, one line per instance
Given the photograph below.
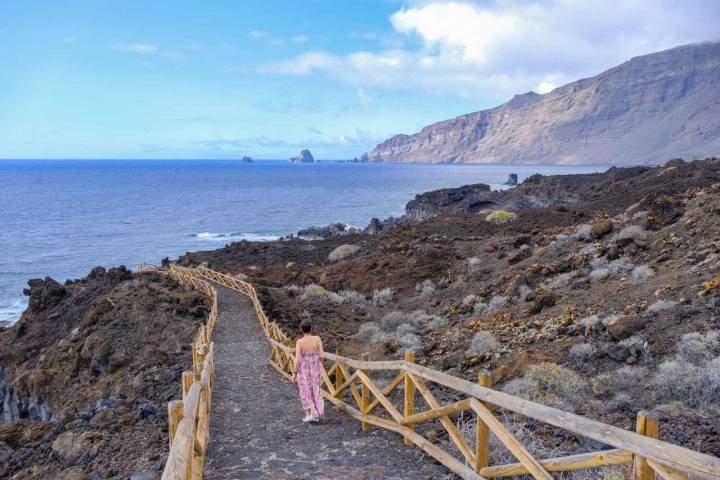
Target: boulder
x=626 y=326
x=542 y=302
x=343 y=251
x=73 y=473
x=601 y=228
x=70 y=446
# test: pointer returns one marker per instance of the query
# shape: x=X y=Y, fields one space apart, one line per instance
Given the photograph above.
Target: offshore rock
x=304 y=157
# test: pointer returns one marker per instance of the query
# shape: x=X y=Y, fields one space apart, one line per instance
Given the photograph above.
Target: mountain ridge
x=646 y=110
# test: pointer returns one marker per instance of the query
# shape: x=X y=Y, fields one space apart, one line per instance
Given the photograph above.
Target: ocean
x=60 y=218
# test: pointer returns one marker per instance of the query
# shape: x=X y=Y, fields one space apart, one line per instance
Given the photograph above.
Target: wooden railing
x=349 y=385
x=189 y=418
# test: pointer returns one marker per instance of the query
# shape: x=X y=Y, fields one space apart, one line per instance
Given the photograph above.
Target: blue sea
x=60 y=218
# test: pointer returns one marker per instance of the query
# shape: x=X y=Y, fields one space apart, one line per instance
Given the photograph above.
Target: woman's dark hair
x=305 y=326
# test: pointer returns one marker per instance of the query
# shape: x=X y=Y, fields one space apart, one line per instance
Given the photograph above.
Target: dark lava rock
x=522 y=240
x=328 y=231
x=512 y=179
x=451 y=360
x=618 y=352
x=147 y=410
x=44 y=293
x=542 y=302
x=97 y=272
x=374 y=227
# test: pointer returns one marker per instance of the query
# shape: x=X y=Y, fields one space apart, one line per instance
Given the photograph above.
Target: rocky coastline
x=86 y=372
x=585 y=292
x=595 y=293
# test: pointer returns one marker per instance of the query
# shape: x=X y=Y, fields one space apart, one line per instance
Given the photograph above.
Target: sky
x=209 y=79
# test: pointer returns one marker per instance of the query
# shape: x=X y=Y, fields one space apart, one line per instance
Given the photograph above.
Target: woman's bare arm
x=296 y=362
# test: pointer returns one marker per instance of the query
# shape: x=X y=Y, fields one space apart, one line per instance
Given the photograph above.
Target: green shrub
x=500 y=216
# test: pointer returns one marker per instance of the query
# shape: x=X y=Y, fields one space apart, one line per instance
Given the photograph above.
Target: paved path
x=256 y=429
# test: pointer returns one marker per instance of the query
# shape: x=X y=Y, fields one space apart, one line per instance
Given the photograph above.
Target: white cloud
x=364 y=98
x=258 y=34
x=300 y=39
x=494 y=49
x=140 y=48
x=68 y=39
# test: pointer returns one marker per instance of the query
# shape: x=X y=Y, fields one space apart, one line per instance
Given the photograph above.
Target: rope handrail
x=649 y=455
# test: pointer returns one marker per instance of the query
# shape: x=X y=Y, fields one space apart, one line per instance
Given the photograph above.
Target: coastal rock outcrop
x=512 y=180
x=304 y=157
x=86 y=371
x=331 y=230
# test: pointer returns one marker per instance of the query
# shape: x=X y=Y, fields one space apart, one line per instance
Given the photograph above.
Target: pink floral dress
x=309 y=376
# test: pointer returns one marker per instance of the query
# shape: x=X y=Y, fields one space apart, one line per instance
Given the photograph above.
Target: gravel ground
x=256 y=428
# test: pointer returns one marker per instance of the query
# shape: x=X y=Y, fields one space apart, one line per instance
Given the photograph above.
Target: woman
x=307 y=371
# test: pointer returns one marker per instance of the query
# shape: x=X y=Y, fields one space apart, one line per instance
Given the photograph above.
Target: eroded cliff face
x=645 y=111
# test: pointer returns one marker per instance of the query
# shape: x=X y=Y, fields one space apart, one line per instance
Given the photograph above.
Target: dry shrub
x=482 y=342
x=582 y=352
x=391 y=320
x=549 y=384
x=642 y=273
x=661 y=305
x=426 y=288
x=382 y=297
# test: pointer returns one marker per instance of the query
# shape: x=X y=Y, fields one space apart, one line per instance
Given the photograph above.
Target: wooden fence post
x=647 y=424
x=365 y=393
x=338 y=375
x=187 y=379
x=409 y=387
x=482 y=432
x=175 y=413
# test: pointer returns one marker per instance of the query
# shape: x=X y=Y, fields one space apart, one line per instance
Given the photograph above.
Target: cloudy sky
x=211 y=79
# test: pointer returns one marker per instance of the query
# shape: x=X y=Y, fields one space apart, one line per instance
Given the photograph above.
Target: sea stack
x=247 y=159
x=304 y=157
x=512 y=180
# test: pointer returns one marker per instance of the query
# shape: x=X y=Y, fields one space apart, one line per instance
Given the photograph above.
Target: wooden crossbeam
x=563 y=464
x=328 y=383
x=453 y=464
x=343 y=386
x=387 y=390
x=387 y=404
x=508 y=439
x=668 y=473
x=434 y=413
x=445 y=421
x=351 y=385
